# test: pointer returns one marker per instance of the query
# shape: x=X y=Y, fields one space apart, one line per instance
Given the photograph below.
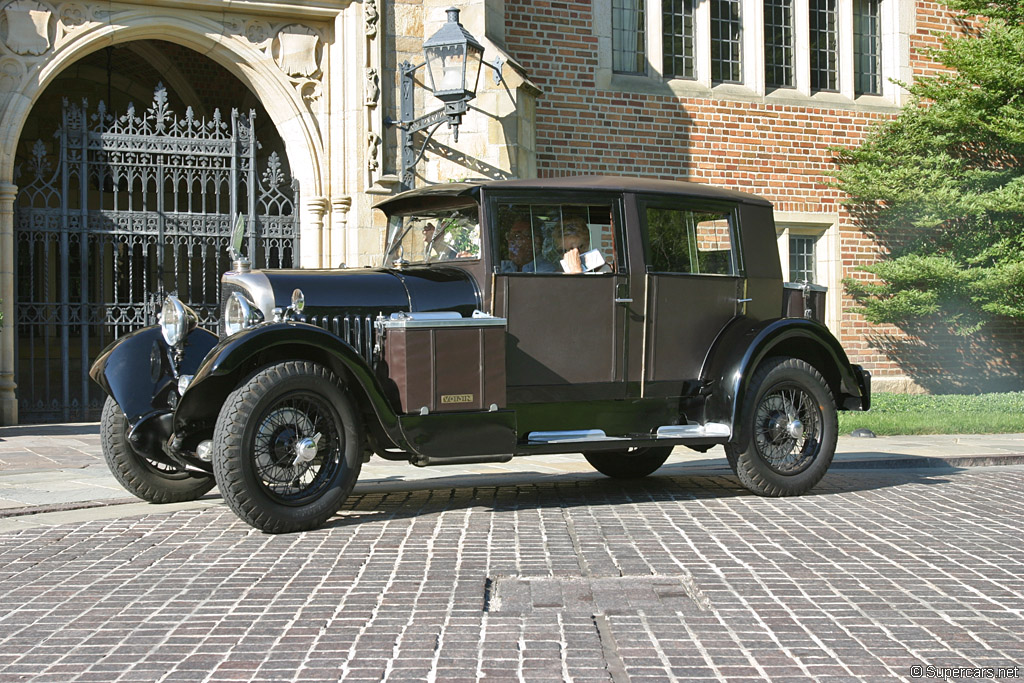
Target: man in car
x=523 y=245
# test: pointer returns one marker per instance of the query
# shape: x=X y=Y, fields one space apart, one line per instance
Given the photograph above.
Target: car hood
x=359 y=291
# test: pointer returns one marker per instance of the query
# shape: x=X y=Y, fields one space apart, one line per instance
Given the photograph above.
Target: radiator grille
x=355 y=329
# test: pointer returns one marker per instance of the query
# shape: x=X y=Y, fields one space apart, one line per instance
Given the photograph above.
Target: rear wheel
x=629 y=463
x=787 y=430
x=287 y=447
x=148 y=479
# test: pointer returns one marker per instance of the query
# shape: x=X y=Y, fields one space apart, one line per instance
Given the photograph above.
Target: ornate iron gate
x=135 y=208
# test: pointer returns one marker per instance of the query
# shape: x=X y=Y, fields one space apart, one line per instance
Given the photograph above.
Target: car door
x=566 y=333
x=694 y=285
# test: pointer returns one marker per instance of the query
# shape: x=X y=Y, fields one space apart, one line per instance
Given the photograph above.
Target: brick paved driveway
x=679 y=577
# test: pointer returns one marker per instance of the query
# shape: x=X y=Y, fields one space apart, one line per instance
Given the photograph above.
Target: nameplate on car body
x=456 y=398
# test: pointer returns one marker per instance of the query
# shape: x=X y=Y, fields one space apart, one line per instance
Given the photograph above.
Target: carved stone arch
x=22 y=86
x=294 y=122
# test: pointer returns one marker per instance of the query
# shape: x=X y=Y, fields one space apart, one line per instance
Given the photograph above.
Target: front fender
x=138 y=370
x=742 y=347
x=234 y=358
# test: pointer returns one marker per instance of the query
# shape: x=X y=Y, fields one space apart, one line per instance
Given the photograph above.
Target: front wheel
x=147 y=479
x=631 y=463
x=787 y=430
x=287 y=447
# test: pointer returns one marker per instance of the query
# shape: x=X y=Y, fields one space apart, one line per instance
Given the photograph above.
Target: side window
x=690 y=241
x=555 y=238
x=714 y=243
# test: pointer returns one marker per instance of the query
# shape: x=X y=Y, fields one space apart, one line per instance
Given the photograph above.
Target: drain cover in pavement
x=592 y=595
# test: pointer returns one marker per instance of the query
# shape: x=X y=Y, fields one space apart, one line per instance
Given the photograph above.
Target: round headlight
x=240 y=313
x=176 y=320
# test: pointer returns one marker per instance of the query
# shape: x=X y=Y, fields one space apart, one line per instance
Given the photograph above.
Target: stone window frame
x=828 y=264
x=896 y=19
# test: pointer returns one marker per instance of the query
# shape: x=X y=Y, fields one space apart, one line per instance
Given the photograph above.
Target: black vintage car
x=613 y=317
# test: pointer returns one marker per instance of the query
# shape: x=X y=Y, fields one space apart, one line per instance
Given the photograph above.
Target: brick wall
x=778 y=151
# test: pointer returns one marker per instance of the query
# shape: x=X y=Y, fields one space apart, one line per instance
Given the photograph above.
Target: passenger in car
x=572 y=239
x=523 y=245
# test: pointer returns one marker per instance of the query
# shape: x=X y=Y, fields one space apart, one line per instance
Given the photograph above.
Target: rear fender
x=138 y=370
x=241 y=354
x=742 y=347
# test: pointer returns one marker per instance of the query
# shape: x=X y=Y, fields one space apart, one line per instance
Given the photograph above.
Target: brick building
x=748 y=94
x=752 y=94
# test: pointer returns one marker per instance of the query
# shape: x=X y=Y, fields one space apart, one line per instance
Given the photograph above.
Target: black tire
x=786 y=431
x=629 y=463
x=142 y=477
x=255 y=439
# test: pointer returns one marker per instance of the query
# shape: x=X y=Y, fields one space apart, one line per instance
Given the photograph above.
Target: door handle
x=623 y=301
x=743 y=301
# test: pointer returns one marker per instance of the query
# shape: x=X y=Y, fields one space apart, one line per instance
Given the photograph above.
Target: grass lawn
x=893 y=414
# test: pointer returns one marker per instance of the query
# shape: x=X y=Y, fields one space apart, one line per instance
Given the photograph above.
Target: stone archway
x=280 y=60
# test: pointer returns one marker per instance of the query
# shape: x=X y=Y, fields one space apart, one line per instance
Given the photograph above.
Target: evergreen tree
x=941 y=186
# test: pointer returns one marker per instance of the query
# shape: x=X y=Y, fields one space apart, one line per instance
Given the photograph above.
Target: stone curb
x=930 y=462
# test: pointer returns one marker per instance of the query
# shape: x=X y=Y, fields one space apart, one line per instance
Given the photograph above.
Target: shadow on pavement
x=50 y=430
x=544 y=492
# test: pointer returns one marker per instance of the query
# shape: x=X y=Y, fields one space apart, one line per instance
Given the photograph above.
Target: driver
x=439 y=251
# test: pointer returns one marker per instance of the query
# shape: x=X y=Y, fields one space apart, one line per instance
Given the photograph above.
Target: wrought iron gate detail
x=136 y=207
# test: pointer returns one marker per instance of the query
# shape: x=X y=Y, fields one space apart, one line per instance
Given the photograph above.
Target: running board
x=704 y=431
x=431 y=460
x=711 y=430
x=572 y=436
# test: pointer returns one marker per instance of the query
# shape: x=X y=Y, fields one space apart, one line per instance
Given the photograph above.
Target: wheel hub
x=306 y=449
x=783 y=427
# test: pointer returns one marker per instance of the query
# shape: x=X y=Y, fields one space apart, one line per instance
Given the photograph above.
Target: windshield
x=434 y=236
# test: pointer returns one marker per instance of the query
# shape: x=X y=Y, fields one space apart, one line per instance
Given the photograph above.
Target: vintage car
x=614 y=317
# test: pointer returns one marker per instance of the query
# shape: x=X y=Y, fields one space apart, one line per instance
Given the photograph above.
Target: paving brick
x=669 y=577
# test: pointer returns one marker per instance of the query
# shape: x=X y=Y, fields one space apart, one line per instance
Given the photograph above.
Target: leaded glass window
x=823 y=45
x=677 y=38
x=629 y=37
x=801 y=258
x=726 y=35
x=867 y=47
x=778 y=43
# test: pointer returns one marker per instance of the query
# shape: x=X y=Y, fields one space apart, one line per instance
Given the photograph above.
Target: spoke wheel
x=287 y=447
x=787 y=429
x=629 y=463
x=147 y=479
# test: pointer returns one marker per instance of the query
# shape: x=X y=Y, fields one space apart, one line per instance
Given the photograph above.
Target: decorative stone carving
x=257 y=32
x=372 y=17
x=72 y=18
x=372 y=152
x=297 y=49
x=311 y=92
x=73 y=15
x=11 y=73
x=28 y=27
x=372 y=87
